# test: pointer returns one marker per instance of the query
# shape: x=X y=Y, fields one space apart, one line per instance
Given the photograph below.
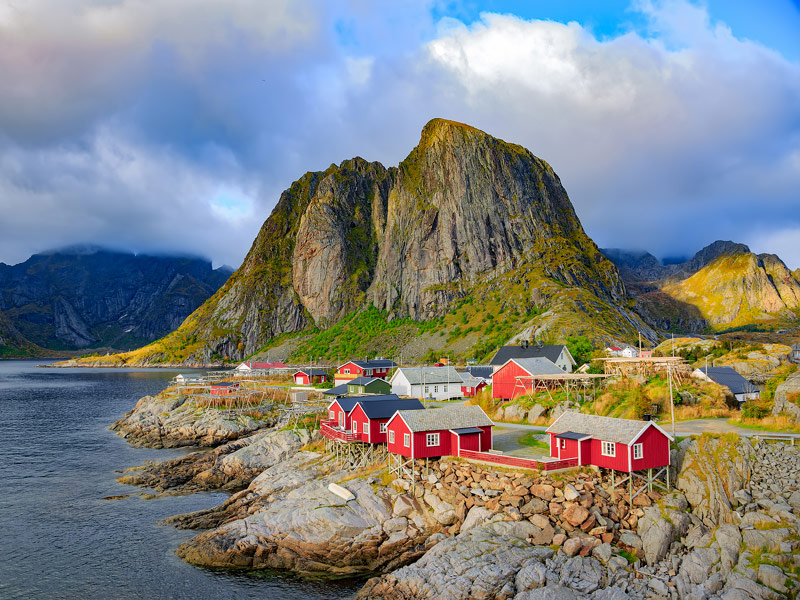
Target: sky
x=173 y=127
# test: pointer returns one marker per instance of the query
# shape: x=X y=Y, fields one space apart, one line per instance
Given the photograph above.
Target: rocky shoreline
x=730 y=530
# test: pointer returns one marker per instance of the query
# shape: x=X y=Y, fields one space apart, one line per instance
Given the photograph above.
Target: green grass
x=529 y=439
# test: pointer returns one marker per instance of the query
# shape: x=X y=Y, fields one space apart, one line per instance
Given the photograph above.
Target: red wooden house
x=438 y=432
x=225 y=388
x=379 y=367
x=515 y=377
x=370 y=416
x=620 y=444
x=341 y=409
x=471 y=385
x=310 y=376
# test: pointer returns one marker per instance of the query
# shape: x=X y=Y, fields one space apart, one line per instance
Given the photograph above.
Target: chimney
x=524 y=343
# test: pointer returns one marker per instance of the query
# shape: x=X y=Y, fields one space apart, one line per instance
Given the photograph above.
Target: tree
x=581 y=349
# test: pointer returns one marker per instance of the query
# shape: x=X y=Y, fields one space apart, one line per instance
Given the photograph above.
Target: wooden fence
x=516 y=461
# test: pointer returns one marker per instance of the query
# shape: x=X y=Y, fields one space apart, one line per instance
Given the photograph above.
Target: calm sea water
x=58 y=460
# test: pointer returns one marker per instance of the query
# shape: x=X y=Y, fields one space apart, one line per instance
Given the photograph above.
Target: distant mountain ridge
x=87 y=296
x=723 y=286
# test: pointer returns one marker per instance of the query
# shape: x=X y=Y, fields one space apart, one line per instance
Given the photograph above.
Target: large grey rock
x=582 y=575
x=782 y=405
x=658 y=532
x=480 y=563
x=768 y=539
x=549 y=592
x=697 y=565
x=476 y=516
x=534 y=413
x=728 y=539
x=773 y=577
x=610 y=593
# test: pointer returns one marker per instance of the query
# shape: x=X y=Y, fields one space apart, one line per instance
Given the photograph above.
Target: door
x=341 y=419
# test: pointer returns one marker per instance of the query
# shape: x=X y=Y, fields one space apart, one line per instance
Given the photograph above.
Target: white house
x=727 y=377
x=630 y=352
x=186 y=379
x=437 y=383
x=558 y=354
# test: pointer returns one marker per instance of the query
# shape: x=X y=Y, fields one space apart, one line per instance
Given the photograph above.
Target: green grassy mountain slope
x=467 y=229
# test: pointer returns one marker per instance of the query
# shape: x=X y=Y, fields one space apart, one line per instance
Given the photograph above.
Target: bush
x=755 y=409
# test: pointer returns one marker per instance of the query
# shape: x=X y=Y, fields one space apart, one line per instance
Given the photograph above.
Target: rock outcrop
x=230 y=467
x=787 y=398
x=171 y=420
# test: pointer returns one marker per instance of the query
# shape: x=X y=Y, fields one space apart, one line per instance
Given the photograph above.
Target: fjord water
x=61 y=539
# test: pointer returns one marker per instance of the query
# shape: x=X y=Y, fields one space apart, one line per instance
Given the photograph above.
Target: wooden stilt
x=649 y=480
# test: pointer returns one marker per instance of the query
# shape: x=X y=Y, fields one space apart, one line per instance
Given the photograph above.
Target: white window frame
x=365 y=427
x=354 y=426
x=638 y=451
x=391 y=436
x=368 y=372
x=432 y=440
x=347 y=371
x=407 y=440
x=383 y=427
x=331 y=415
x=608 y=449
x=563 y=443
x=436 y=389
x=445 y=388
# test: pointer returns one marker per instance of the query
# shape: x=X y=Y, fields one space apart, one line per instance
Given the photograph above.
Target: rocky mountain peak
x=712 y=252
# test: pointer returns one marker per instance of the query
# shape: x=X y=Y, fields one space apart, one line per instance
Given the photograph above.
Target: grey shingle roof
x=471 y=381
x=484 y=371
x=339 y=390
x=448 y=417
x=549 y=351
x=607 y=429
x=312 y=372
x=431 y=375
x=363 y=380
x=729 y=378
x=538 y=366
x=348 y=403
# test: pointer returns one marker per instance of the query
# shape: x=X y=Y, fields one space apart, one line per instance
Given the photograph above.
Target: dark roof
x=348 y=403
x=383 y=409
x=365 y=380
x=339 y=390
x=538 y=366
x=609 y=429
x=466 y=430
x=375 y=363
x=549 y=351
x=224 y=384
x=571 y=435
x=729 y=378
x=484 y=371
x=312 y=372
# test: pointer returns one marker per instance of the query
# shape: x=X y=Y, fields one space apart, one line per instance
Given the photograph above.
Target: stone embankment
x=171 y=420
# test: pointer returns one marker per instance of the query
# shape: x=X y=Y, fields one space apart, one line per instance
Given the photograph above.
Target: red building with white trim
x=375 y=368
x=620 y=444
x=515 y=377
x=223 y=388
x=436 y=432
x=310 y=376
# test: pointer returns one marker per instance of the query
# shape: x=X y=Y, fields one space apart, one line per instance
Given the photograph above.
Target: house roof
x=471 y=381
x=265 y=365
x=448 y=417
x=383 y=409
x=484 y=371
x=571 y=435
x=729 y=378
x=608 y=429
x=225 y=384
x=614 y=348
x=549 y=351
x=375 y=363
x=364 y=380
x=466 y=430
x=430 y=375
x=538 y=366
x=339 y=390
x=312 y=372
x=348 y=403
x=189 y=375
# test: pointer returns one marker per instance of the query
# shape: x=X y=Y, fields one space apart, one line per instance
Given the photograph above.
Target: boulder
x=476 y=516
x=575 y=515
x=549 y=592
x=584 y=575
x=534 y=413
x=544 y=491
x=658 y=531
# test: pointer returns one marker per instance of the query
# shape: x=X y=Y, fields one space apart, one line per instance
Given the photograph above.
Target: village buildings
x=370 y=416
x=558 y=354
x=727 y=377
x=517 y=376
x=439 y=432
x=379 y=367
x=310 y=376
x=368 y=385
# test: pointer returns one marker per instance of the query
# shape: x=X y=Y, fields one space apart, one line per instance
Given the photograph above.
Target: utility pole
x=671 y=403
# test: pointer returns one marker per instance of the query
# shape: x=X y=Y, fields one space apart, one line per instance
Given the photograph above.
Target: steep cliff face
x=724 y=285
x=83 y=297
x=461 y=213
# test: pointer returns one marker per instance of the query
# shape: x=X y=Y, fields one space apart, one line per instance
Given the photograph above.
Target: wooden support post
x=668 y=478
x=649 y=480
x=630 y=488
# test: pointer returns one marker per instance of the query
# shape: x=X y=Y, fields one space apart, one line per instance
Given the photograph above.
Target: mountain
x=723 y=286
x=85 y=297
x=472 y=238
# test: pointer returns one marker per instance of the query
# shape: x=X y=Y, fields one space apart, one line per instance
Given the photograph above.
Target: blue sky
x=174 y=126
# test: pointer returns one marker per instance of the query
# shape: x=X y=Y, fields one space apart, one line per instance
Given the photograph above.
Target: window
x=427 y=389
x=383 y=428
x=563 y=443
x=355 y=426
x=609 y=449
x=366 y=427
x=391 y=437
x=638 y=451
x=368 y=372
x=407 y=440
x=432 y=439
x=445 y=388
x=331 y=415
x=436 y=389
x=347 y=371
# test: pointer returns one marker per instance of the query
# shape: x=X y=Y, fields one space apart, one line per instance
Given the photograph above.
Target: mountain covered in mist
x=89 y=297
